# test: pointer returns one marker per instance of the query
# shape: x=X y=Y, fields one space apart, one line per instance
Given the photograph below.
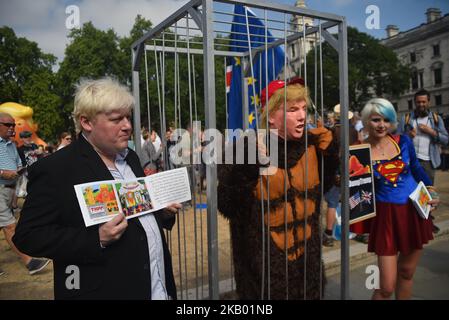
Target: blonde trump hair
x=294 y=92
x=100 y=96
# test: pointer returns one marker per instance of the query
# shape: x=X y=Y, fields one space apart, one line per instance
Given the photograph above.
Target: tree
x=20 y=59
x=140 y=27
x=26 y=77
x=92 y=53
x=39 y=93
x=373 y=69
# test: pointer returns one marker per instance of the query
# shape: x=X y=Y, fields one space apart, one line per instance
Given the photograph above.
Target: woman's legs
x=388 y=272
x=406 y=269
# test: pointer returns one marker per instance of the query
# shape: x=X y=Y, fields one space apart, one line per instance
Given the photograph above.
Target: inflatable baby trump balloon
x=23 y=116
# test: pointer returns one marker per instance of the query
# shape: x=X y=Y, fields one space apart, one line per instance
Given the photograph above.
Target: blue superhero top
x=396 y=178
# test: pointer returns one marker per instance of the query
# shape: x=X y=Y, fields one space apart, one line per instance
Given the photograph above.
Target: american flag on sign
x=354 y=200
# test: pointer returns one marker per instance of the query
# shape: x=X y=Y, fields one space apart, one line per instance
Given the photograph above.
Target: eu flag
x=239 y=43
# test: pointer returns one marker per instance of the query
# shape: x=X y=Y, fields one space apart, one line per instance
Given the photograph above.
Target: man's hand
x=428 y=130
x=9 y=174
x=173 y=208
x=411 y=133
x=112 y=230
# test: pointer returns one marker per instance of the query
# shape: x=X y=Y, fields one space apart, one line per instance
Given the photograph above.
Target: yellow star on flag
x=251 y=118
x=237 y=61
x=255 y=100
x=251 y=81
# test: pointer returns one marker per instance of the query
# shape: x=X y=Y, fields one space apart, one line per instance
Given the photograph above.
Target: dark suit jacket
x=52 y=226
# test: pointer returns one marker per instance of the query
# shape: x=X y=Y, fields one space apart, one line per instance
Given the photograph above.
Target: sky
x=44 y=21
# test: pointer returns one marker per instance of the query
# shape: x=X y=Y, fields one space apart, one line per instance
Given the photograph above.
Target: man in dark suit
x=120 y=259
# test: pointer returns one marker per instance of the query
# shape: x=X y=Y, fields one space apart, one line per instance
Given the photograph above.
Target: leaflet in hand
x=420 y=198
x=101 y=201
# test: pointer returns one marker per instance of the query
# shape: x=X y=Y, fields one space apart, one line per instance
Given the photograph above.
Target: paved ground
x=431 y=275
x=431 y=281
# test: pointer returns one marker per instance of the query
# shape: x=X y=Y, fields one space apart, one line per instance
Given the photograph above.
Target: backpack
x=408 y=116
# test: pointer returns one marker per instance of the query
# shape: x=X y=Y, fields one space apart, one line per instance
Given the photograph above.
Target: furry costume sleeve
x=235 y=184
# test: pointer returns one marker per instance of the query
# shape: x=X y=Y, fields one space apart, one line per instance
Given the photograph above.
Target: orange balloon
x=23 y=116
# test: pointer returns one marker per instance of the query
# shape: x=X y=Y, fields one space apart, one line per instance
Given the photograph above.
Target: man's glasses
x=69 y=139
x=8 y=124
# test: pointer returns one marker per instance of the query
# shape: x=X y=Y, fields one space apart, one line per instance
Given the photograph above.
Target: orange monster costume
x=23 y=116
x=239 y=200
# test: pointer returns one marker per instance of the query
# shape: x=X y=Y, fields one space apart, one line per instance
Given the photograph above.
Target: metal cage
x=198 y=28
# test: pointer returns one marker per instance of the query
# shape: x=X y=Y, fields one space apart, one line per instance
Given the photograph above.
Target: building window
x=436 y=50
x=410 y=104
x=421 y=79
x=412 y=57
x=414 y=80
x=438 y=100
x=438 y=76
x=293 y=51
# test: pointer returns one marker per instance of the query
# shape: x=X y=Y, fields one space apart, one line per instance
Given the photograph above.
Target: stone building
x=297 y=48
x=425 y=49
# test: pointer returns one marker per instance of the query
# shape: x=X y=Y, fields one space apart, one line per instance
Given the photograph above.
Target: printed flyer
x=420 y=198
x=101 y=201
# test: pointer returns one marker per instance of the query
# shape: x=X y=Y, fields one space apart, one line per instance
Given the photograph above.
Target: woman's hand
x=435 y=197
x=434 y=203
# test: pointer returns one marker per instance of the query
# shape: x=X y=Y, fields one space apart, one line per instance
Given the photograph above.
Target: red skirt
x=398 y=228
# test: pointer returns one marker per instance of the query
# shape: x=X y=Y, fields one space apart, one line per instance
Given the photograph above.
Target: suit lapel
x=134 y=164
x=92 y=160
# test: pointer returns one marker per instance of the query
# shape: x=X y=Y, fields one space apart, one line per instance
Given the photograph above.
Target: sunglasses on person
x=8 y=124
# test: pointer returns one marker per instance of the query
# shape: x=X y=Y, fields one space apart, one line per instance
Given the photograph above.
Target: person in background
x=168 y=165
x=156 y=139
x=29 y=152
x=445 y=149
x=398 y=232
x=149 y=158
x=49 y=149
x=357 y=123
x=10 y=163
x=427 y=131
x=65 y=139
x=330 y=120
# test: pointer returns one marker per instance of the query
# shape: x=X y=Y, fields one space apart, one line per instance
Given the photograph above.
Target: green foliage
x=140 y=27
x=38 y=93
x=26 y=76
x=20 y=59
x=92 y=53
x=373 y=69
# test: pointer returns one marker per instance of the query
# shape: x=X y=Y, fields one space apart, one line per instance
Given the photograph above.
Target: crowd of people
x=129 y=259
